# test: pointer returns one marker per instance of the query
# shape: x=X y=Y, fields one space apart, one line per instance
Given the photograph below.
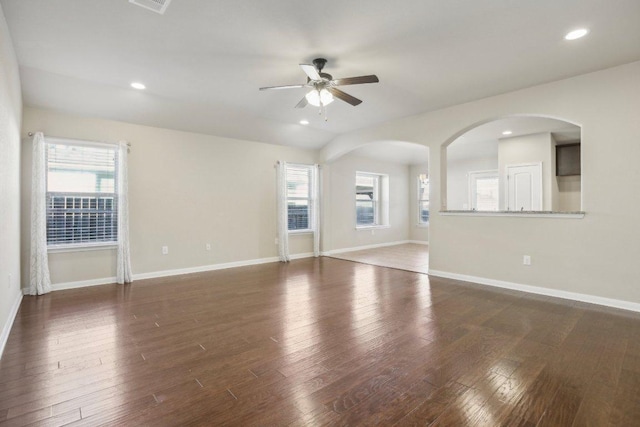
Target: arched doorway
x=376 y=205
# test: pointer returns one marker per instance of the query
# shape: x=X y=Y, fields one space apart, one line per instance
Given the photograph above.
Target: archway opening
x=376 y=198
x=514 y=164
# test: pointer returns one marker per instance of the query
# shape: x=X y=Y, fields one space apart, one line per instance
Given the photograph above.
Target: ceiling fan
x=324 y=87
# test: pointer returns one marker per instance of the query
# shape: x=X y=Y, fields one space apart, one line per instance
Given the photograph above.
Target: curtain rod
x=110 y=143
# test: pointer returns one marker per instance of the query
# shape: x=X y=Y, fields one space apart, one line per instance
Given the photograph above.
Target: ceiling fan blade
x=344 y=96
x=356 y=80
x=303 y=102
x=310 y=71
x=283 y=87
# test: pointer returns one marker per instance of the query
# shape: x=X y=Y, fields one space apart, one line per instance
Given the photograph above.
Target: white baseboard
x=301 y=256
x=575 y=296
x=202 y=268
x=360 y=248
x=82 y=283
x=175 y=272
x=418 y=242
x=214 y=267
x=9 y=324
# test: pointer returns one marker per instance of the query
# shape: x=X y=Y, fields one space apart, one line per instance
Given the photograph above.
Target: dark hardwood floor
x=317 y=342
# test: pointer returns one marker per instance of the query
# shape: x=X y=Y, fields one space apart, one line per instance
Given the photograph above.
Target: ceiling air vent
x=156 y=5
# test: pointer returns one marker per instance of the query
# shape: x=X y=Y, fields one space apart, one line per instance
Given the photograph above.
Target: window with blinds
x=367 y=198
x=423 y=199
x=372 y=200
x=81 y=194
x=299 y=197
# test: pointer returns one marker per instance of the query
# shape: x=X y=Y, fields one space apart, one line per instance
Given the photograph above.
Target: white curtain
x=283 y=228
x=123 y=273
x=39 y=279
x=315 y=194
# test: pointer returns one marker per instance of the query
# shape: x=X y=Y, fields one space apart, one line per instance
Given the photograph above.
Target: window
x=372 y=193
x=81 y=194
x=423 y=199
x=299 y=197
x=484 y=190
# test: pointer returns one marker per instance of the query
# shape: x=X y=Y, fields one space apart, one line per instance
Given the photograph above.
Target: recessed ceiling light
x=576 y=34
x=137 y=85
x=507 y=132
x=304 y=122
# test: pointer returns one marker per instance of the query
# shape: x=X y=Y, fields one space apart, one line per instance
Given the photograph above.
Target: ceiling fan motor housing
x=319 y=63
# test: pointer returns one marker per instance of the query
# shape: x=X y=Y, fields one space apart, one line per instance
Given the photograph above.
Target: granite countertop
x=574 y=214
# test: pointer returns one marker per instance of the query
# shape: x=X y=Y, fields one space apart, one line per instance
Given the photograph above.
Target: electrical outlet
x=276 y=240
x=373 y=232
x=208 y=246
x=165 y=250
x=526 y=260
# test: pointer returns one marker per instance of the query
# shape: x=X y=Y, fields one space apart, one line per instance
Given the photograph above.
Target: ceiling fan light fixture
x=314 y=97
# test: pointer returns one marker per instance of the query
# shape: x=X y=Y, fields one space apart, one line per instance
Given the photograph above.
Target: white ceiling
x=203 y=61
x=407 y=153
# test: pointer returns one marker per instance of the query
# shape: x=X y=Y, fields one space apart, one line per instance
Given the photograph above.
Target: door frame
x=507 y=183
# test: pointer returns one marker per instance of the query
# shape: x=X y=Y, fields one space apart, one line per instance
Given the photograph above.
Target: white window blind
x=423 y=198
x=81 y=194
x=299 y=198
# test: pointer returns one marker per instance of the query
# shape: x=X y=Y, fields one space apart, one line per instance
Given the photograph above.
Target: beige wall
x=339 y=211
x=10 y=117
x=185 y=190
x=416 y=232
x=569 y=193
x=595 y=255
x=527 y=149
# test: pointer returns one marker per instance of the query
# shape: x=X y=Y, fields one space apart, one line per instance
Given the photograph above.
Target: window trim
x=80 y=247
x=312 y=220
x=83 y=246
x=377 y=200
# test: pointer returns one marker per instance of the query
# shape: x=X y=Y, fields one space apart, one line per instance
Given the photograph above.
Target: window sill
x=82 y=247
x=528 y=214
x=300 y=231
x=371 y=227
x=422 y=225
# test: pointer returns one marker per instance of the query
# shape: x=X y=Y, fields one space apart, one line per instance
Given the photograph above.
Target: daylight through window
x=81 y=194
x=372 y=194
x=484 y=190
x=423 y=198
x=299 y=197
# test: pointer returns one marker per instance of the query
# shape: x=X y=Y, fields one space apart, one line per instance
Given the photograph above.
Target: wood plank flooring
x=406 y=256
x=317 y=342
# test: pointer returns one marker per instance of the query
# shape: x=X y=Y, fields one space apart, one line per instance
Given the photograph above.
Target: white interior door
x=524 y=187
